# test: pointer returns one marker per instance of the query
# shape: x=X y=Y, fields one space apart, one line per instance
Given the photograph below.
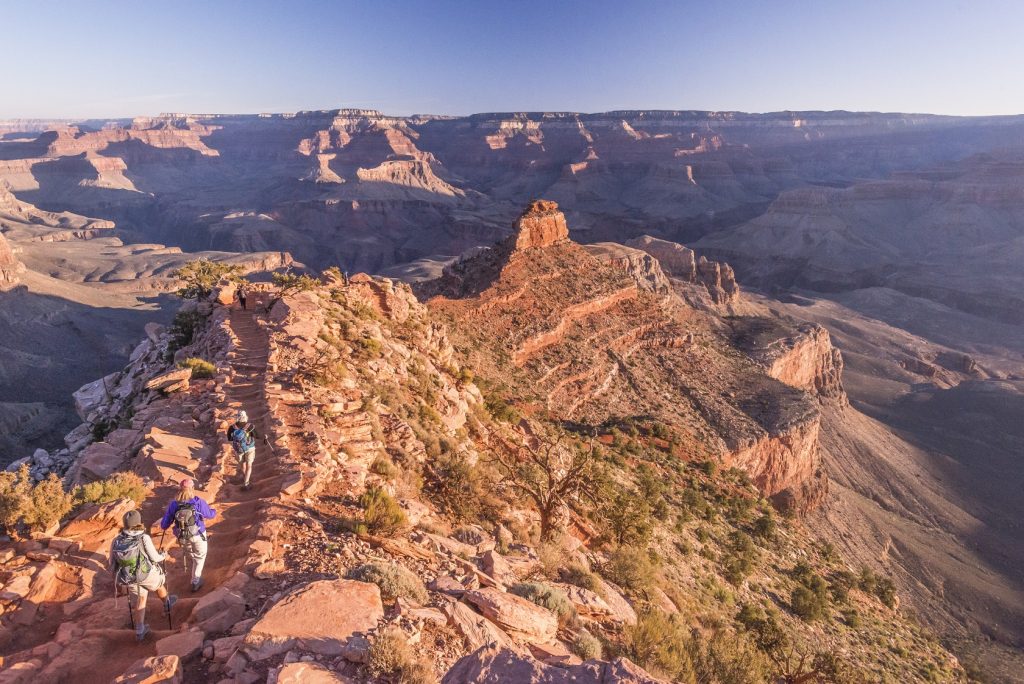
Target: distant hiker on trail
x=135 y=562
x=242 y=435
x=188 y=513
x=242 y=294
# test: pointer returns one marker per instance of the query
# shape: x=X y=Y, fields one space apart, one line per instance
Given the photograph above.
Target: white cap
x=243 y=417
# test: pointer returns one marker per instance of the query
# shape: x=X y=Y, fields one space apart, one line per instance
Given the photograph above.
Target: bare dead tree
x=552 y=475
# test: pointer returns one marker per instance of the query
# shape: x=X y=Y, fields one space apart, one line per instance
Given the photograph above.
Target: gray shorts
x=248 y=457
x=151 y=582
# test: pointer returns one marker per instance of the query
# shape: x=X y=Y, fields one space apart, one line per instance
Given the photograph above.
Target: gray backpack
x=131 y=564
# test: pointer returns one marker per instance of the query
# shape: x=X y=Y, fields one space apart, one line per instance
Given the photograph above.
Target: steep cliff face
x=10 y=267
x=641 y=266
x=798 y=354
x=682 y=263
x=576 y=332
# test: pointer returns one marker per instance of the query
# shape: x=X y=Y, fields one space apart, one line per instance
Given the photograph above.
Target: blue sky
x=106 y=59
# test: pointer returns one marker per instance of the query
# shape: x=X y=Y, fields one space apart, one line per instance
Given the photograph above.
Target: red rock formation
x=541 y=225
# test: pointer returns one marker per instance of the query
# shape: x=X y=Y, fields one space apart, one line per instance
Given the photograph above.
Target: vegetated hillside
x=507 y=541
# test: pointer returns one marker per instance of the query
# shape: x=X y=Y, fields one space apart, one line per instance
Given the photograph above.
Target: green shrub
x=586 y=645
x=183 y=330
x=201 y=368
x=123 y=485
x=383 y=466
x=579 y=575
x=35 y=505
x=395 y=581
x=629 y=518
x=765 y=527
x=199 y=277
x=392 y=657
x=552 y=598
x=631 y=568
x=660 y=644
x=381 y=513
x=728 y=658
x=886 y=592
x=371 y=347
x=809 y=602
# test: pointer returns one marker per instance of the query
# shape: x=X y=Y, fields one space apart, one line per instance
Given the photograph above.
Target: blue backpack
x=243 y=440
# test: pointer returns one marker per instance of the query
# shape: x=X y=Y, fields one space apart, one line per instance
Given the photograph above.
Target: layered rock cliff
x=10 y=267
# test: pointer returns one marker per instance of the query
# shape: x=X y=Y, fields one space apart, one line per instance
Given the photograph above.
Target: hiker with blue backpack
x=136 y=564
x=242 y=436
x=188 y=513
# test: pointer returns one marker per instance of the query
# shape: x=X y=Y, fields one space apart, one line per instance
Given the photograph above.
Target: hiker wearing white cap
x=136 y=564
x=188 y=513
x=242 y=436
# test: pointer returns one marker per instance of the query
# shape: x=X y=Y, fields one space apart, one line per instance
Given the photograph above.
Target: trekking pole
x=162 y=535
x=131 y=613
x=266 y=440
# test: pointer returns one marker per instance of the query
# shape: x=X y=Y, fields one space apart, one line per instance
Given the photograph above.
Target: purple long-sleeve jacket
x=203 y=511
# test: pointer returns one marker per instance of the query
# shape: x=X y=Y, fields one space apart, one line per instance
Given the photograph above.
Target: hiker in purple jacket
x=187 y=512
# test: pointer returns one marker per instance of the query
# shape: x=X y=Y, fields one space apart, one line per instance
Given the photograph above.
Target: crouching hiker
x=242 y=435
x=135 y=561
x=188 y=513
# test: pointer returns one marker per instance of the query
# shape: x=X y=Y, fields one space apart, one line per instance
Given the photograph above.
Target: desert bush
x=391 y=656
x=728 y=658
x=885 y=590
x=841 y=583
x=629 y=518
x=552 y=598
x=660 y=644
x=50 y=503
x=34 y=505
x=383 y=466
x=631 y=568
x=381 y=513
x=183 y=330
x=579 y=575
x=739 y=561
x=461 y=489
x=395 y=581
x=201 y=368
x=552 y=557
x=199 y=277
x=469 y=535
x=15 y=497
x=371 y=347
x=586 y=645
x=810 y=601
x=765 y=527
x=118 y=486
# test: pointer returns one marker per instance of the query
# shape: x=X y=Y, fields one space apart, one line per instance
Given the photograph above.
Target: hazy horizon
x=117 y=60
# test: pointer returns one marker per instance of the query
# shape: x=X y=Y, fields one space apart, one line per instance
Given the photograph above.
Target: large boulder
x=97 y=461
x=88 y=398
x=318 y=617
x=519 y=618
x=496 y=665
x=170 y=381
x=218 y=610
x=309 y=673
x=475 y=628
x=155 y=670
x=97 y=518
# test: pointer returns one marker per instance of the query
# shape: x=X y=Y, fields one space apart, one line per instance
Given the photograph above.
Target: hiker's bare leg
x=139 y=612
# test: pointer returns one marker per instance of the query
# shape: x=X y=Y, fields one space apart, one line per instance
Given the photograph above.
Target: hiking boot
x=141 y=634
x=197 y=584
x=169 y=602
